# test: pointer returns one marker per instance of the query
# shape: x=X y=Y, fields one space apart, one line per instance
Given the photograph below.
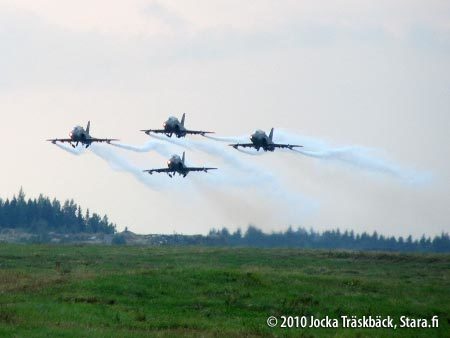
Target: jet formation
x=176 y=164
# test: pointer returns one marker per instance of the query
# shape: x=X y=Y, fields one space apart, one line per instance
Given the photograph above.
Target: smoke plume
x=74 y=151
x=362 y=158
x=160 y=147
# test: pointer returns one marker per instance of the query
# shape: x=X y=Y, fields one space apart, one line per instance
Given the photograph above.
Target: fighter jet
x=260 y=140
x=177 y=165
x=81 y=135
x=174 y=126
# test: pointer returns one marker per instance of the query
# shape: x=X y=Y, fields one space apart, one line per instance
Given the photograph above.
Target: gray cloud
x=38 y=53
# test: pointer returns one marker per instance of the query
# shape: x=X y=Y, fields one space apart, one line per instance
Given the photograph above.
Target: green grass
x=109 y=291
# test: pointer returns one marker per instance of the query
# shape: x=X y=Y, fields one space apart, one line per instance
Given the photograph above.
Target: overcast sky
x=373 y=74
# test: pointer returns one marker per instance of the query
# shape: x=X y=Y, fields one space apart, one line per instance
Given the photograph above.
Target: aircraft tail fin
x=182 y=119
x=184 y=157
x=88 y=127
x=271 y=134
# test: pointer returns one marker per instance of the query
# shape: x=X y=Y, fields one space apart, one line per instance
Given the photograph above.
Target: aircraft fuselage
x=78 y=134
x=176 y=165
x=260 y=140
x=174 y=126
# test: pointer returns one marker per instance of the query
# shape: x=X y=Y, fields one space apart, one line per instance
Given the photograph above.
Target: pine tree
x=42 y=215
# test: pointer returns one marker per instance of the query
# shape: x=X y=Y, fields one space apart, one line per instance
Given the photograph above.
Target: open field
x=129 y=291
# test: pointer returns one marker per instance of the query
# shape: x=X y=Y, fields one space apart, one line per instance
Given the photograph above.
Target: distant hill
x=43 y=215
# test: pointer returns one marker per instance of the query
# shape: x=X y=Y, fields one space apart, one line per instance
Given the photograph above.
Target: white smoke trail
x=264 y=201
x=238 y=173
x=114 y=160
x=363 y=158
x=119 y=163
x=235 y=173
x=253 y=174
x=367 y=159
x=233 y=139
x=264 y=193
x=212 y=149
x=248 y=152
x=225 y=184
x=177 y=142
x=217 y=178
x=159 y=147
x=74 y=151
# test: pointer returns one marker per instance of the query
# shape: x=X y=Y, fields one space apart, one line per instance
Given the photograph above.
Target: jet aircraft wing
x=162 y=170
x=101 y=140
x=288 y=146
x=199 y=169
x=62 y=140
x=274 y=145
x=198 y=132
x=156 y=131
x=243 y=145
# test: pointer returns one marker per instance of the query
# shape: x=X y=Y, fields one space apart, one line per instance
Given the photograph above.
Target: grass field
x=109 y=291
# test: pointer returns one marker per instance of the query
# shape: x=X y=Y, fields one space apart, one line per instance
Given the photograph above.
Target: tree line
x=330 y=239
x=45 y=215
